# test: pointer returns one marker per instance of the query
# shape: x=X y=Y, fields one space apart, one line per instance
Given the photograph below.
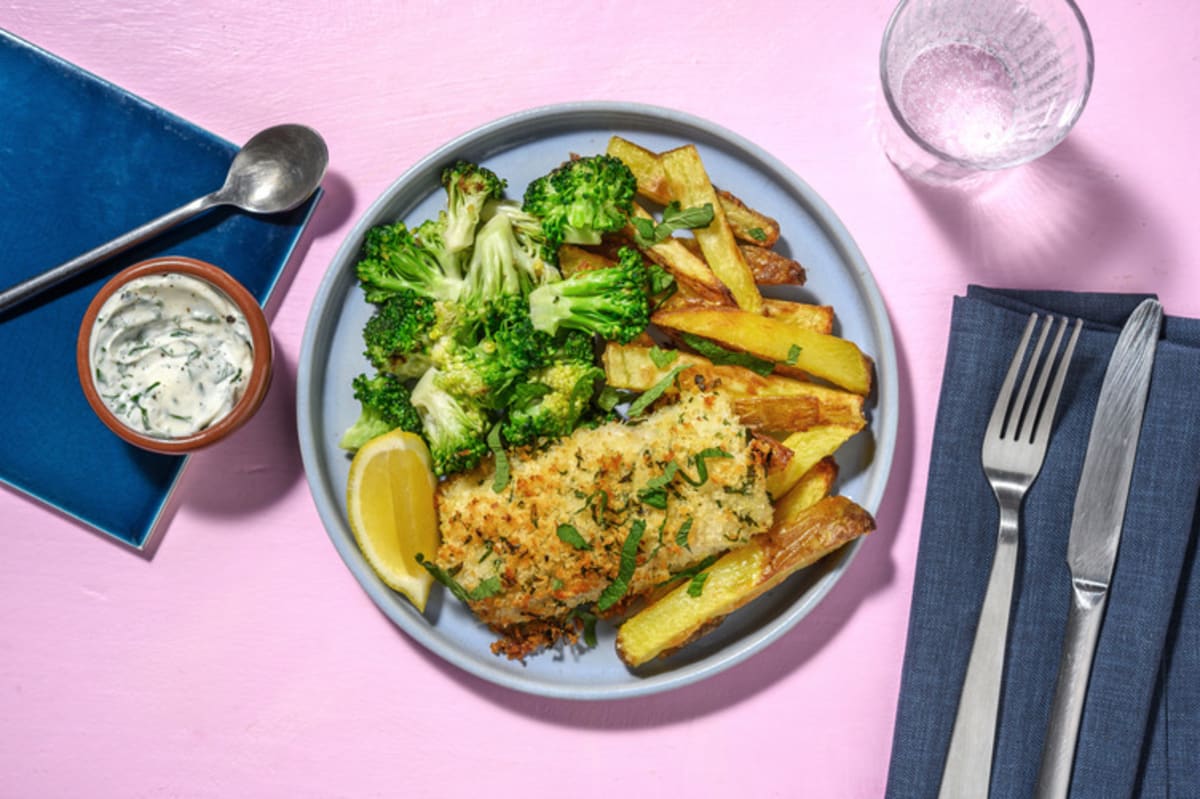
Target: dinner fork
x=1014 y=447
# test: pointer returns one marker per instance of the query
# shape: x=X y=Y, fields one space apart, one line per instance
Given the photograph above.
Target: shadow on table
x=871 y=570
x=1051 y=223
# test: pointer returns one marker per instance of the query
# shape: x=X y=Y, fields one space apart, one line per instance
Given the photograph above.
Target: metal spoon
x=277 y=170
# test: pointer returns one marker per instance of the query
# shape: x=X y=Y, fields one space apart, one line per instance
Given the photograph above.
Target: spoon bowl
x=276 y=170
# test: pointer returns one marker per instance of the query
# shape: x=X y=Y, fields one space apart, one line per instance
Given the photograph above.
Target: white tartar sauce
x=171 y=354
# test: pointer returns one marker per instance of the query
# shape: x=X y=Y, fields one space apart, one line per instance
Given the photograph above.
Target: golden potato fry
x=772 y=414
x=748 y=225
x=818 y=318
x=739 y=577
x=816 y=483
x=645 y=166
x=792 y=348
x=809 y=447
x=769 y=267
x=631 y=367
x=690 y=186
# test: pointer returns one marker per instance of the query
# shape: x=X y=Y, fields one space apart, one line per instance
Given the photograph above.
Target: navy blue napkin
x=1140 y=734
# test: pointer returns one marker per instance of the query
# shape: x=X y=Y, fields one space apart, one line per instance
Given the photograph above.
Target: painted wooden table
x=242 y=659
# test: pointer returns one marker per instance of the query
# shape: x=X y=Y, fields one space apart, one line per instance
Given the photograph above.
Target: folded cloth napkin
x=1140 y=734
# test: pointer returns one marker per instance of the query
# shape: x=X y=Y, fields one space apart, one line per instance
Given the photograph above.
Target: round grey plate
x=520 y=148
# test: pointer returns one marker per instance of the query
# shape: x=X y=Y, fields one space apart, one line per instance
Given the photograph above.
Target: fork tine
x=1049 y=407
x=1004 y=397
x=1000 y=409
x=1025 y=408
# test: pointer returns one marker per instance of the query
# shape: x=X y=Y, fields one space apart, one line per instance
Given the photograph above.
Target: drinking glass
x=975 y=86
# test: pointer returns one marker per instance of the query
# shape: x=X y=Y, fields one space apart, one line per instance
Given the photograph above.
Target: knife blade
x=1095 y=534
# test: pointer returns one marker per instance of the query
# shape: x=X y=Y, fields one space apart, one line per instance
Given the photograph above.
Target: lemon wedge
x=389 y=499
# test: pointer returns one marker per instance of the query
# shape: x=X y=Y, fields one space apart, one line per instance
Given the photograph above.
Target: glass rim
x=894 y=108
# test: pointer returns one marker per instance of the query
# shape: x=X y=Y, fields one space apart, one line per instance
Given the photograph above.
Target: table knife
x=1096 y=534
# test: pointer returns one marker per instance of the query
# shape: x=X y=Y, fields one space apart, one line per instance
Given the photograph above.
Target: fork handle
x=1079 y=646
x=967 y=773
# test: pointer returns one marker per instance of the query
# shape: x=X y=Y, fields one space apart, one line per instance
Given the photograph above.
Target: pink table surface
x=243 y=659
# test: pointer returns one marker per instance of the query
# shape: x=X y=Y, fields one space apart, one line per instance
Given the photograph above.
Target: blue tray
x=82 y=161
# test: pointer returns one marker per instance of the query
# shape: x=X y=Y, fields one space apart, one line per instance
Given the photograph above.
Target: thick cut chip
x=690 y=187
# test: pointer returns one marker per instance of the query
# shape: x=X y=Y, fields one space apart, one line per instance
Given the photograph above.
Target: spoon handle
x=52 y=277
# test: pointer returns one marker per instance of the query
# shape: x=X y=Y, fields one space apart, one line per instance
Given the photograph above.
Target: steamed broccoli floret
x=493 y=271
x=468 y=187
x=551 y=403
x=401 y=327
x=491 y=352
x=455 y=427
x=431 y=234
x=534 y=255
x=386 y=406
x=394 y=261
x=611 y=301
x=582 y=200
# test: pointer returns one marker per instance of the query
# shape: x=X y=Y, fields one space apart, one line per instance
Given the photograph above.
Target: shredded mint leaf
x=693 y=217
x=696 y=586
x=701 y=467
x=569 y=535
x=608 y=399
x=663 y=358
x=617 y=588
x=655 y=492
x=644 y=231
x=486 y=588
x=793 y=355
x=757 y=233
x=723 y=357
x=662 y=285
x=589 y=624
x=647 y=233
x=681 y=536
x=503 y=472
x=655 y=391
x=689 y=573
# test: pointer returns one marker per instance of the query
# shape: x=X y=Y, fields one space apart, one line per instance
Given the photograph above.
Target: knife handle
x=968 y=768
x=1075 y=668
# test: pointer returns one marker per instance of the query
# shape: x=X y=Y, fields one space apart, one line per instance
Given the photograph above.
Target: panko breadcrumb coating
x=687 y=482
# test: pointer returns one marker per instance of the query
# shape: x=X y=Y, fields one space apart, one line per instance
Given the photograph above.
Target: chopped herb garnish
x=569 y=535
x=654 y=493
x=589 y=624
x=500 y=481
x=723 y=357
x=681 y=536
x=793 y=355
x=701 y=468
x=663 y=358
x=647 y=233
x=488 y=546
x=696 y=586
x=655 y=391
x=617 y=588
x=486 y=588
x=690 y=572
x=757 y=233
x=608 y=398
x=662 y=285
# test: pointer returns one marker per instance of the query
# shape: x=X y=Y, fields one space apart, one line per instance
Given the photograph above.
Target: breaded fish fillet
x=681 y=484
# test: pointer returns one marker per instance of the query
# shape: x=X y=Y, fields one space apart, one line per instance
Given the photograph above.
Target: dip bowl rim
x=261 y=341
